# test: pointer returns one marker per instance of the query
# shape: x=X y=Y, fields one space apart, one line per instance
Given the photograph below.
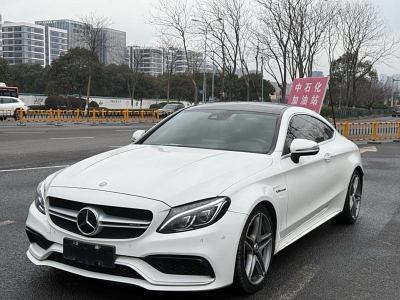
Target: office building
x=56 y=43
x=113 y=42
x=146 y=60
x=113 y=47
x=182 y=64
x=74 y=30
x=23 y=43
x=1 y=38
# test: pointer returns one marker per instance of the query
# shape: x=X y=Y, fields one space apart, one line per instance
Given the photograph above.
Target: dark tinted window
x=9 y=100
x=308 y=128
x=218 y=129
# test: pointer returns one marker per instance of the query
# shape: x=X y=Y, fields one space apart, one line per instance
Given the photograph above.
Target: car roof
x=273 y=108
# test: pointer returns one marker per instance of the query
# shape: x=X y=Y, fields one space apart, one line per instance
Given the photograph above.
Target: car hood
x=174 y=175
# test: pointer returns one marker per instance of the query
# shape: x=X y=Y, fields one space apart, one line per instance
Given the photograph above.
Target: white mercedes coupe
x=202 y=200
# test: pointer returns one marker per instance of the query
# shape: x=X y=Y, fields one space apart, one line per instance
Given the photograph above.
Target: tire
x=256 y=245
x=352 y=204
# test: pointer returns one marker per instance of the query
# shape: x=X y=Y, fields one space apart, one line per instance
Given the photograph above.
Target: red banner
x=308 y=92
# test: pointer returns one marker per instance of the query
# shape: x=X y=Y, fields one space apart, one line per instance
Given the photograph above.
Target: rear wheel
x=255 y=251
x=351 y=208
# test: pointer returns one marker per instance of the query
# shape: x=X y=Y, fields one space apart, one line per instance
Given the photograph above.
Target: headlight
x=39 y=197
x=194 y=215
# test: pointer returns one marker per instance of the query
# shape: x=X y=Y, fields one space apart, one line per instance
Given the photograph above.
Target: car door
x=7 y=106
x=307 y=181
x=1 y=106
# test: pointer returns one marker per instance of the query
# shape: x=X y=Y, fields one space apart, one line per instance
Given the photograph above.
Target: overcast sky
x=132 y=16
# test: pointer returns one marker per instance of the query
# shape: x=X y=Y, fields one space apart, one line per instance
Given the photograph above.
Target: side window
x=1 y=100
x=308 y=128
x=6 y=101
x=14 y=101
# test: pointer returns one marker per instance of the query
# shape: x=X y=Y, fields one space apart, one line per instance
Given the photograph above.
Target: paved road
x=332 y=262
x=31 y=146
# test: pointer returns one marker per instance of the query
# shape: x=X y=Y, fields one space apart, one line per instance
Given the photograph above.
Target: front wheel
x=255 y=251
x=351 y=208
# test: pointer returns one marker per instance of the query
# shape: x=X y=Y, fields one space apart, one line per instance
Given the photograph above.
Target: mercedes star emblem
x=88 y=221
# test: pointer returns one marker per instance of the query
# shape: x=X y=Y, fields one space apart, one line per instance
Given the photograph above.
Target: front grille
x=118 y=270
x=180 y=265
x=115 y=222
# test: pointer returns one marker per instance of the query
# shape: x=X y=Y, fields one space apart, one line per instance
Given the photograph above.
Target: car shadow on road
x=297 y=263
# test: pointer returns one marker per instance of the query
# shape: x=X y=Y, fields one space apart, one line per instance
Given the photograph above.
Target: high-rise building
x=74 y=30
x=23 y=43
x=113 y=47
x=182 y=64
x=146 y=60
x=56 y=43
x=113 y=42
x=156 y=61
x=1 y=38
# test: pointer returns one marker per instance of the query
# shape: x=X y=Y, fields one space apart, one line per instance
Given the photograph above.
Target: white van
x=10 y=106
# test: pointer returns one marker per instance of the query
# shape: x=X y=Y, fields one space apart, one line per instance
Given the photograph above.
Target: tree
x=4 y=70
x=93 y=38
x=132 y=75
x=367 y=84
x=226 y=26
x=175 y=19
x=365 y=39
x=274 y=34
x=70 y=72
x=29 y=78
x=169 y=48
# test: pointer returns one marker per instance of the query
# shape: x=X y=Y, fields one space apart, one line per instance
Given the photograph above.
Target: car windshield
x=170 y=106
x=218 y=129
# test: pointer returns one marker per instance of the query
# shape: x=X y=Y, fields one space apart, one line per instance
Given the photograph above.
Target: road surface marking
x=368 y=149
x=8 y=222
x=30 y=169
x=12 y=132
x=297 y=283
x=73 y=138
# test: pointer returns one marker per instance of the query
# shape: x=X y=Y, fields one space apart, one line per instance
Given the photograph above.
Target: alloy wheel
x=258 y=248
x=355 y=196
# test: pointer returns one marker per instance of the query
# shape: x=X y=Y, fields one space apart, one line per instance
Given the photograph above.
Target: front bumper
x=217 y=244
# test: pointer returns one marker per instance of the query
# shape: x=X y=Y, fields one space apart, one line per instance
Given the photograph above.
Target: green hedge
x=55 y=102
x=353 y=112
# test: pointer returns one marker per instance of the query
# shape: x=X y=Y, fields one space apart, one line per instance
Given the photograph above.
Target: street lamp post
x=204 y=68
x=262 y=78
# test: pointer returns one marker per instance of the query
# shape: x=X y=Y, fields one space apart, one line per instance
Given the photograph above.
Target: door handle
x=327 y=157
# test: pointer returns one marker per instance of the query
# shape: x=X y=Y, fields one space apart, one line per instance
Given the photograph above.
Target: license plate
x=89 y=254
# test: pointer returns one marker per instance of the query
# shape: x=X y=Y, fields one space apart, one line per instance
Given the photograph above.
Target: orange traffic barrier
x=93 y=116
x=370 y=131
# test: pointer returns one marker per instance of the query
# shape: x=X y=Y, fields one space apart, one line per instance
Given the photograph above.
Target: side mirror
x=137 y=135
x=300 y=147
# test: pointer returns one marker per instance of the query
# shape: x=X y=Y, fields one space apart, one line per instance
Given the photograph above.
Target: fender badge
x=103 y=183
